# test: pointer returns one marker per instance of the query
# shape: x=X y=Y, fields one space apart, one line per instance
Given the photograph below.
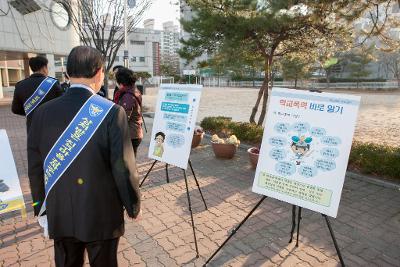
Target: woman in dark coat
x=131 y=100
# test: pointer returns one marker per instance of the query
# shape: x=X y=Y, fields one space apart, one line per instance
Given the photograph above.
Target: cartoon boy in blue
x=300 y=147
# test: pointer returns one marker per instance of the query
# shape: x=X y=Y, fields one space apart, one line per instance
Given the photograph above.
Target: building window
x=117 y=58
x=396 y=8
x=141 y=59
x=133 y=59
x=137 y=42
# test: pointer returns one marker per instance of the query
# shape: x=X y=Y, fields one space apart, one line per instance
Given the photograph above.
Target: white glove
x=42 y=220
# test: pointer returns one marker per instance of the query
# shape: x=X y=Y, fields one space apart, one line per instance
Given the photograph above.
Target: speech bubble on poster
x=277 y=141
x=282 y=128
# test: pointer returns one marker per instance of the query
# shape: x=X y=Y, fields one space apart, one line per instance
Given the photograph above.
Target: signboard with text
x=305 y=148
x=174 y=122
x=11 y=197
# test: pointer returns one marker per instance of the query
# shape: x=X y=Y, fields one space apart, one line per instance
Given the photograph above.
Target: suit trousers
x=135 y=144
x=69 y=252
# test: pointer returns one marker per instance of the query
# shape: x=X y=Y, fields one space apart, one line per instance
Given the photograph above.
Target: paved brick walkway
x=367 y=227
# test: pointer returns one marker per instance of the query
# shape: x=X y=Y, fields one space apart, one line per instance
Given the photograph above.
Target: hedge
x=375 y=159
x=224 y=126
x=368 y=158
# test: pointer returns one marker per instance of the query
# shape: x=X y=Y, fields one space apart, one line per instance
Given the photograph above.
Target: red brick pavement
x=367 y=227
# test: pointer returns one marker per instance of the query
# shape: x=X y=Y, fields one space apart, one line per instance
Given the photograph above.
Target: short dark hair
x=84 y=62
x=160 y=133
x=36 y=63
x=117 y=67
x=125 y=76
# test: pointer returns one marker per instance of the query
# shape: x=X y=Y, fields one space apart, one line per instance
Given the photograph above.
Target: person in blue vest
x=35 y=90
x=81 y=167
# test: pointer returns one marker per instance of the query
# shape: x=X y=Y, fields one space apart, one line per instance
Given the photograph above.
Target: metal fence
x=223 y=82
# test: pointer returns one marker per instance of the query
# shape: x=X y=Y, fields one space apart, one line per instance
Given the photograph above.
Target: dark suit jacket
x=88 y=200
x=25 y=88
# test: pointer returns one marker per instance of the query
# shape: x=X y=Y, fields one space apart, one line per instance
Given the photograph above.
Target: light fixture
x=60 y=15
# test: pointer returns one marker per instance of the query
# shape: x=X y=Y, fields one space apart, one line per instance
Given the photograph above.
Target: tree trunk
x=268 y=67
x=260 y=94
x=328 y=80
x=106 y=85
x=254 y=78
x=295 y=83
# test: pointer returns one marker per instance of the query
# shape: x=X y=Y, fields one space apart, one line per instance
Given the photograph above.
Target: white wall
x=34 y=33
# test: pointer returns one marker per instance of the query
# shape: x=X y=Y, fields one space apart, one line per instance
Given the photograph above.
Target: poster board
x=305 y=148
x=174 y=122
x=11 y=197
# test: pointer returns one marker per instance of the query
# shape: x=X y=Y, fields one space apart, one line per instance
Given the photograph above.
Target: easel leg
x=293 y=223
x=148 y=172
x=298 y=227
x=191 y=214
x=334 y=240
x=236 y=229
x=166 y=171
x=197 y=183
x=144 y=123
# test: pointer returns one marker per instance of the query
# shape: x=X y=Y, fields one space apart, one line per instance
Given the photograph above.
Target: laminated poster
x=11 y=197
x=305 y=148
x=174 y=122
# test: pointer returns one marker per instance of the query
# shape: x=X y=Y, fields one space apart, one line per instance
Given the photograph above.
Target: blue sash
x=73 y=140
x=39 y=94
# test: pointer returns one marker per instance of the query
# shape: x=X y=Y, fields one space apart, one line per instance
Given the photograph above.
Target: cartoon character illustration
x=3 y=186
x=300 y=147
x=159 y=146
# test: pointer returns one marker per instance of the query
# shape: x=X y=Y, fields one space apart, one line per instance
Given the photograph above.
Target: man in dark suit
x=25 y=88
x=85 y=207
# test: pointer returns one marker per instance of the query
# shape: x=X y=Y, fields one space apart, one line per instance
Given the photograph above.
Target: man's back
x=87 y=201
x=25 y=88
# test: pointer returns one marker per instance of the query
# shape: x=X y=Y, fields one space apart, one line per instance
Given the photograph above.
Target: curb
x=373 y=180
x=350 y=174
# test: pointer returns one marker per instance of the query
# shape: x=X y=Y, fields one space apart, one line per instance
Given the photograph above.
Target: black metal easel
x=144 y=123
x=187 y=195
x=291 y=232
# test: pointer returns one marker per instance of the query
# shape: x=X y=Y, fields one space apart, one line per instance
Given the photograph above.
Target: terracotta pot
x=253 y=158
x=226 y=151
x=197 y=139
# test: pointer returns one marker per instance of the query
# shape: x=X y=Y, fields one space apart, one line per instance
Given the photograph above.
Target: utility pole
x=126 y=54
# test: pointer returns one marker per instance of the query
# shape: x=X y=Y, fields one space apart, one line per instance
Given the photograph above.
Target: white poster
x=11 y=197
x=174 y=123
x=305 y=148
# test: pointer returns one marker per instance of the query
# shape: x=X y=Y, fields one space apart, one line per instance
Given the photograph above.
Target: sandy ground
x=378 y=118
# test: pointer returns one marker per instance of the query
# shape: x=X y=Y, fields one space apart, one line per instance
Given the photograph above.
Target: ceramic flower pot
x=197 y=137
x=225 y=151
x=253 y=156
